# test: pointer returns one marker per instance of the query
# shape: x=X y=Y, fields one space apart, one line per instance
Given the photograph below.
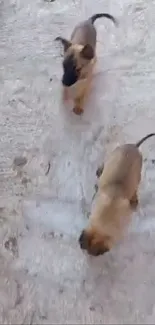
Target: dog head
x=93 y=242
x=76 y=57
x=109 y=218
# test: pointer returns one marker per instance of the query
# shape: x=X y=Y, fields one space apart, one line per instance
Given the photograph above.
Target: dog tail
x=145 y=138
x=94 y=17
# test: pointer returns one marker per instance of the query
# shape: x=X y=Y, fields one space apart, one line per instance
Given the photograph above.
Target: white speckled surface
x=44 y=276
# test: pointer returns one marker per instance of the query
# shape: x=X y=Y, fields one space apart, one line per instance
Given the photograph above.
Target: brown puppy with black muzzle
x=116 y=197
x=79 y=60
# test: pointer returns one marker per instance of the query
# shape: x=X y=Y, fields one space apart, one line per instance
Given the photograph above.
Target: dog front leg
x=80 y=101
x=78 y=105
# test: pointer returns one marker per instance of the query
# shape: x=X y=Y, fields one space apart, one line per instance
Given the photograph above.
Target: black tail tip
x=58 y=38
x=116 y=22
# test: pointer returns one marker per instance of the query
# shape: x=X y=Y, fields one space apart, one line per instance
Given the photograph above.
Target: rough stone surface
x=44 y=276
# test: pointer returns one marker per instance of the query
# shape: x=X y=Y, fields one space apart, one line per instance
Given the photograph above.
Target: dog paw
x=78 y=110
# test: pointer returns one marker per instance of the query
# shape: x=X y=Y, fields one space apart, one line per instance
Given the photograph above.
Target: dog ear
x=87 y=52
x=66 y=44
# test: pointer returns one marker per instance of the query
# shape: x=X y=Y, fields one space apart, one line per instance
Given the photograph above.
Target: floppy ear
x=66 y=44
x=87 y=52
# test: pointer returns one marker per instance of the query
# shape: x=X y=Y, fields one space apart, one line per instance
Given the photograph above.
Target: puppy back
x=122 y=166
x=84 y=33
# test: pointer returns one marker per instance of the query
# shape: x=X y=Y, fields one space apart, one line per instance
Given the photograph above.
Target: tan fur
x=117 y=194
x=79 y=91
x=81 y=49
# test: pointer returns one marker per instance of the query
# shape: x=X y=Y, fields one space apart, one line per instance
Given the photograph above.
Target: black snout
x=69 y=79
x=83 y=241
x=70 y=72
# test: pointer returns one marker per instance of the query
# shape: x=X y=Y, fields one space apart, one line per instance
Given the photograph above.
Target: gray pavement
x=44 y=276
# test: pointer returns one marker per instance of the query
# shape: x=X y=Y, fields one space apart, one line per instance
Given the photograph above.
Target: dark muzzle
x=69 y=79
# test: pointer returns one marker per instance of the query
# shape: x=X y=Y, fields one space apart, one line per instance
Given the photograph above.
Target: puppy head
x=76 y=57
x=112 y=212
x=94 y=243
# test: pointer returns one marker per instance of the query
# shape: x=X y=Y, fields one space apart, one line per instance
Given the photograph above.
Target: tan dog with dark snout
x=79 y=60
x=116 y=197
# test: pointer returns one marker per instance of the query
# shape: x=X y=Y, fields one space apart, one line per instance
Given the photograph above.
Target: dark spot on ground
x=35 y=275
x=20 y=297
x=11 y=244
x=20 y=161
x=14 y=212
x=27 y=227
x=2 y=209
x=48 y=169
x=153 y=161
x=26 y=270
x=51 y=233
x=99 y=170
x=138 y=9
x=88 y=215
x=92 y=308
x=37 y=204
x=61 y=290
x=43 y=317
x=25 y=181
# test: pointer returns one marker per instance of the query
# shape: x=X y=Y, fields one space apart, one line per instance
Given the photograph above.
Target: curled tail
x=145 y=138
x=94 y=17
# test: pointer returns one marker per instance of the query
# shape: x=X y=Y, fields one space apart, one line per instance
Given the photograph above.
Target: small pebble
x=61 y=290
x=25 y=180
x=11 y=244
x=27 y=227
x=51 y=233
x=20 y=161
x=43 y=317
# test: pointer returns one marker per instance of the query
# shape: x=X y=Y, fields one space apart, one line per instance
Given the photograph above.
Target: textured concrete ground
x=44 y=276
